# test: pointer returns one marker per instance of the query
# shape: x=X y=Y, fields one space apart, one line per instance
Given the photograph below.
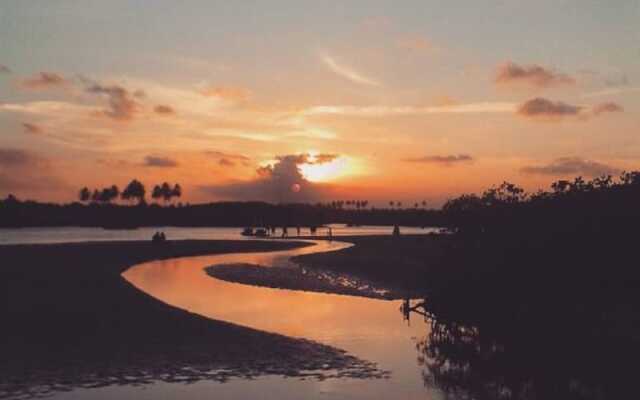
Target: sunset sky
x=376 y=100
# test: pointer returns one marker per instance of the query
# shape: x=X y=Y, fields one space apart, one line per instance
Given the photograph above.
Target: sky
x=315 y=101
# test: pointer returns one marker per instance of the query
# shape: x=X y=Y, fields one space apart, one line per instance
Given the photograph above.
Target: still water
x=369 y=329
x=79 y=234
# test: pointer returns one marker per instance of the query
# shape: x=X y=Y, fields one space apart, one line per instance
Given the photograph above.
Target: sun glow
x=324 y=171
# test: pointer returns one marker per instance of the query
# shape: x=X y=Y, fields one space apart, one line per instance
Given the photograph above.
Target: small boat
x=247 y=232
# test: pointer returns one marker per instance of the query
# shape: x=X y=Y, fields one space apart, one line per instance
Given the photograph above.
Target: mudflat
x=70 y=320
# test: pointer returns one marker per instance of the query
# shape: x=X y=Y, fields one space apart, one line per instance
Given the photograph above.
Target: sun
x=325 y=171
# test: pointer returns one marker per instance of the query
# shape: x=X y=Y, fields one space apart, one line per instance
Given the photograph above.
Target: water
x=79 y=234
x=370 y=329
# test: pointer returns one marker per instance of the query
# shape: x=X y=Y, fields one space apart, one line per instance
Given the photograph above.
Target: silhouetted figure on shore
x=298 y=230
x=330 y=233
x=159 y=237
x=273 y=230
x=285 y=233
x=313 y=230
x=396 y=230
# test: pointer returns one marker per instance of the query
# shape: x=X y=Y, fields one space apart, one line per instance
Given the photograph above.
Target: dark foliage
x=540 y=299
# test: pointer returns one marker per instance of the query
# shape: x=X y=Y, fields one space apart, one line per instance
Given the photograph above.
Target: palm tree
x=134 y=190
x=176 y=191
x=156 y=193
x=165 y=189
x=84 y=195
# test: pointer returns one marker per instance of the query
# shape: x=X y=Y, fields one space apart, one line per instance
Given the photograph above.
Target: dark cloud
x=281 y=182
x=4 y=69
x=572 y=166
x=31 y=128
x=244 y=160
x=225 y=162
x=122 y=106
x=324 y=158
x=44 y=80
x=139 y=94
x=543 y=108
x=445 y=160
x=532 y=75
x=15 y=158
x=26 y=173
x=608 y=107
x=159 y=161
x=164 y=110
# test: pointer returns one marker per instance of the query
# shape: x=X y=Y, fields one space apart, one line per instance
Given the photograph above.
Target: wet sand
x=305 y=279
x=399 y=264
x=70 y=320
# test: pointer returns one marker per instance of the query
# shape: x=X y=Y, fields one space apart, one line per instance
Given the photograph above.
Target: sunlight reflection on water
x=367 y=328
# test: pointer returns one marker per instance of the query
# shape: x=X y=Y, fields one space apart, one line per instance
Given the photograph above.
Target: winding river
x=367 y=328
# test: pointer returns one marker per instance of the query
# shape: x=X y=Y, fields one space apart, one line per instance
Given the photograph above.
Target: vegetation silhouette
x=99 y=208
x=538 y=297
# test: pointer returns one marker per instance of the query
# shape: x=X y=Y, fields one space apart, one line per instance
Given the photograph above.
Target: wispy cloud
x=159 y=161
x=4 y=69
x=443 y=160
x=47 y=108
x=608 y=107
x=229 y=93
x=31 y=128
x=44 y=80
x=347 y=72
x=612 y=92
x=384 y=111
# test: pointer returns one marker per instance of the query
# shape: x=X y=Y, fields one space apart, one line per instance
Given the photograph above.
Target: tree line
x=134 y=191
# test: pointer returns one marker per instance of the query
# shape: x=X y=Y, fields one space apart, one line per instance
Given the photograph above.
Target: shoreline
x=71 y=320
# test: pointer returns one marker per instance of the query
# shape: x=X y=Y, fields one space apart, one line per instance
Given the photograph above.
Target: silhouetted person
x=312 y=230
x=330 y=233
x=396 y=230
x=298 y=230
x=284 y=232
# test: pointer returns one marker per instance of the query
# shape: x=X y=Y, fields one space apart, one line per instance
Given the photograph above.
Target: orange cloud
x=443 y=160
x=235 y=94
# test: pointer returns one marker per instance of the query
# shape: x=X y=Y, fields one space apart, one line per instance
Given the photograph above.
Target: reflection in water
x=367 y=328
x=563 y=358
